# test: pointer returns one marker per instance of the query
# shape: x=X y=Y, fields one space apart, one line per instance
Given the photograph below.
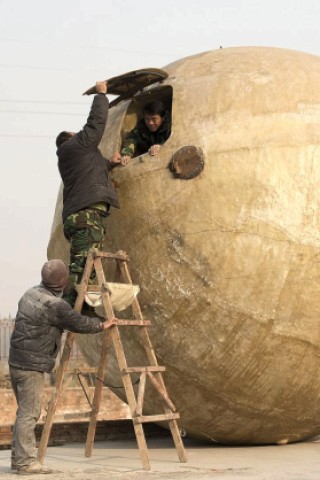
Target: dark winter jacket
x=83 y=169
x=42 y=316
x=140 y=139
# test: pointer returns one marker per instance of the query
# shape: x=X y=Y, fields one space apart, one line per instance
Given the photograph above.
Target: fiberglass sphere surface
x=228 y=261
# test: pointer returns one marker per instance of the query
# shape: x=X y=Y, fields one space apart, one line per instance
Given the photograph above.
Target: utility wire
x=41 y=101
x=41 y=113
x=24 y=135
x=106 y=48
x=55 y=69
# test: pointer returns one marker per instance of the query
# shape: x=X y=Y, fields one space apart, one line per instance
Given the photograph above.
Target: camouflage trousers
x=84 y=229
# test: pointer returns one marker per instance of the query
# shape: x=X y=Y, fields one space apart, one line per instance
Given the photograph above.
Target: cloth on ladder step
x=121 y=296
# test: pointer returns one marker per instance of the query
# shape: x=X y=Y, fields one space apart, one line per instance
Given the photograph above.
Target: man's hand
x=101 y=87
x=118 y=159
x=154 y=150
x=125 y=160
x=109 y=323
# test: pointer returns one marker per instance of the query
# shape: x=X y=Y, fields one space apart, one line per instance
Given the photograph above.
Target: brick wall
x=71 y=407
x=114 y=421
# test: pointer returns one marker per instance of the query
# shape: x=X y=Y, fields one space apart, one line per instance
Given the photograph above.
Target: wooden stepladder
x=150 y=374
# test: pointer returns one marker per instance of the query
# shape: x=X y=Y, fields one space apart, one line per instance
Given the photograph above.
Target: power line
x=32 y=67
x=41 y=113
x=41 y=101
x=24 y=135
x=55 y=69
x=106 y=48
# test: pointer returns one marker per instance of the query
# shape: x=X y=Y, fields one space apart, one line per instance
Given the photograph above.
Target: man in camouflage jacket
x=151 y=132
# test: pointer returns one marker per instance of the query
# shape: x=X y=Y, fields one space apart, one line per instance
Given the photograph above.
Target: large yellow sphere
x=228 y=261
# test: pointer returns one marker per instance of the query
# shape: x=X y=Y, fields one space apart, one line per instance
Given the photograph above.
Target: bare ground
x=119 y=460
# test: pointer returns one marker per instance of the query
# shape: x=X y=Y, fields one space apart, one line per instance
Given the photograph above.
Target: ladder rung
x=165 y=417
x=91 y=288
x=72 y=415
x=132 y=323
x=115 y=256
x=153 y=368
x=96 y=288
x=79 y=414
x=82 y=370
x=88 y=288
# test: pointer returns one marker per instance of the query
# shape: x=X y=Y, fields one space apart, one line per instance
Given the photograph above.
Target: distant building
x=6 y=329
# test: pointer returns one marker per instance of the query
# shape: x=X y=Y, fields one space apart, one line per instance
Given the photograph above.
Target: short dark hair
x=154 y=108
x=62 y=137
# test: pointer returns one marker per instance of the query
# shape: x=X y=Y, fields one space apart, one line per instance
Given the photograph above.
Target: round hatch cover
x=187 y=162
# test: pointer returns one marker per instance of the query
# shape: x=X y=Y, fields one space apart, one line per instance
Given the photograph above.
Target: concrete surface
x=119 y=460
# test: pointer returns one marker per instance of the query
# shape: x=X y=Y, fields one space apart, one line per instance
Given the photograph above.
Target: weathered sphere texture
x=229 y=261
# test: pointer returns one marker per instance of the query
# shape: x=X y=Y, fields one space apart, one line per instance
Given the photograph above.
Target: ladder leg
x=135 y=405
x=53 y=402
x=97 y=264
x=175 y=432
x=97 y=394
x=145 y=338
x=142 y=444
x=127 y=382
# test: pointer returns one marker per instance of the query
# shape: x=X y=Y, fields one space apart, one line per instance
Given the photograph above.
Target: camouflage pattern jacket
x=140 y=139
x=42 y=316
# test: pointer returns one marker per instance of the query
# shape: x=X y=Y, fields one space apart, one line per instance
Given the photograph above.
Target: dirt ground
x=119 y=460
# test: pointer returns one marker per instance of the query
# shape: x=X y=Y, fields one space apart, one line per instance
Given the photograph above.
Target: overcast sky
x=51 y=51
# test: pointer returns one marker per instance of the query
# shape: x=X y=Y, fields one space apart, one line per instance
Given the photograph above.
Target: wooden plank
x=90 y=288
x=175 y=432
x=142 y=387
x=127 y=382
x=82 y=287
x=81 y=370
x=72 y=415
x=126 y=277
x=163 y=417
x=53 y=402
x=146 y=342
x=103 y=360
x=144 y=369
x=113 y=256
x=133 y=323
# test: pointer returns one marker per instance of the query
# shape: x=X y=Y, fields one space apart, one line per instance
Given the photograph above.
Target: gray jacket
x=42 y=316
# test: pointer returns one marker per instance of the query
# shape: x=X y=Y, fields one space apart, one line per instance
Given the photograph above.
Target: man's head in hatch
x=153 y=114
